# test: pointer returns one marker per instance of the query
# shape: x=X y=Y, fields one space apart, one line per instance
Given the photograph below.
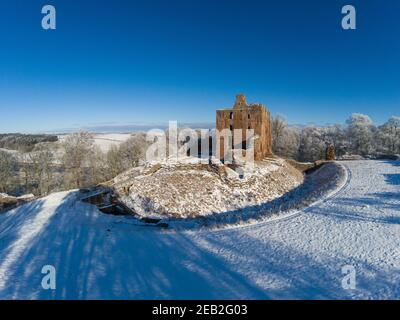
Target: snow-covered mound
x=192 y=190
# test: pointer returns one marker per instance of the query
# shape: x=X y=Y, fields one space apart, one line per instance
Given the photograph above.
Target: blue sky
x=116 y=62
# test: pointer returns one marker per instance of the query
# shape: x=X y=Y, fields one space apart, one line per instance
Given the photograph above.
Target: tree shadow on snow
x=92 y=262
x=96 y=257
x=395 y=163
x=379 y=207
x=393 y=178
x=138 y=263
x=357 y=215
x=292 y=273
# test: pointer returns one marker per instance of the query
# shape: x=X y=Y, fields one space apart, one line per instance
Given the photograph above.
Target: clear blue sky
x=121 y=61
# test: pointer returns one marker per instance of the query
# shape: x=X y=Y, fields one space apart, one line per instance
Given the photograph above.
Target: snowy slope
x=105 y=140
x=193 y=190
x=98 y=256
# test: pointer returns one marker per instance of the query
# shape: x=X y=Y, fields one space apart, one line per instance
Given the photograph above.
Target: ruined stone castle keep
x=243 y=116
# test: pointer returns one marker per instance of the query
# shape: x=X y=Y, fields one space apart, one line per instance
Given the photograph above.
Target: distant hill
x=24 y=142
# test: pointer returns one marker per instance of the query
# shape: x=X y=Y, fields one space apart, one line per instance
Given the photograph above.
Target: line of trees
x=24 y=142
x=76 y=162
x=8 y=168
x=358 y=137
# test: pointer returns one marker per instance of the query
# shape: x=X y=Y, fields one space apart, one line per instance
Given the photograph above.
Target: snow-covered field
x=105 y=140
x=99 y=256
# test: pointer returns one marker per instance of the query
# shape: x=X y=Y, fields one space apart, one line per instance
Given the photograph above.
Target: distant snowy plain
x=99 y=256
x=105 y=141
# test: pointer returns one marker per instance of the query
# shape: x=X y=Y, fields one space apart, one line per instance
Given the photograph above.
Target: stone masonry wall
x=243 y=116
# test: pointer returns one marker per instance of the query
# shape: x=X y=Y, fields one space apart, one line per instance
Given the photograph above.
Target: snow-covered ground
x=99 y=256
x=105 y=140
x=181 y=190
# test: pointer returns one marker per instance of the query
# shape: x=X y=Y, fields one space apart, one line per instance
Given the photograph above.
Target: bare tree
x=389 y=135
x=312 y=144
x=133 y=150
x=127 y=155
x=78 y=148
x=115 y=163
x=335 y=136
x=41 y=164
x=97 y=167
x=288 y=144
x=278 y=128
x=8 y=171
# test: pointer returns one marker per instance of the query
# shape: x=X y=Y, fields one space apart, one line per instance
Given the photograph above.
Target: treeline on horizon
x=73 y=163
x=24 y=142
x=359 y=136
x=77 y=162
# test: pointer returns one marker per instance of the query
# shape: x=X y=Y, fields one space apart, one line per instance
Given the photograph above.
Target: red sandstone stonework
x=243 y=116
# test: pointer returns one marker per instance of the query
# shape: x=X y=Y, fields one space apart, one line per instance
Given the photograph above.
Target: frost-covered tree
x=307 y=144
x=40 y=170
x=289 y=144
x=279 y=125
x=388 y=135
x=115 y=163
x=127 y=155
x=97 y=167
x=334 y=135
x=285 y=138
x=8 y=169
x=360 y=132
x=312 y=144
x=78 y=148
x=133 y=151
